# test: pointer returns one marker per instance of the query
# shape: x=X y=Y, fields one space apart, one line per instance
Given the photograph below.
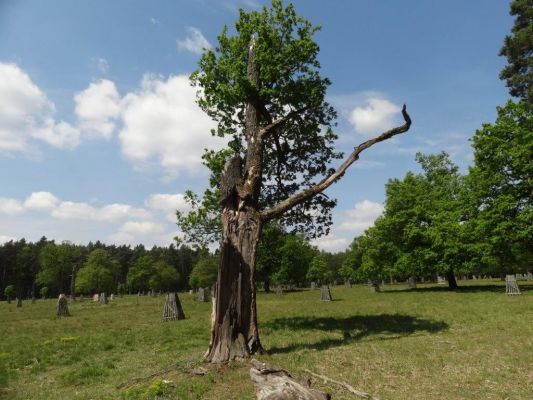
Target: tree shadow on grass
x=353 y=328
x=524 y=287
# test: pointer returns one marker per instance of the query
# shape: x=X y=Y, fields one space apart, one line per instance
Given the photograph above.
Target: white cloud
x=168 y=203
x=331 y=243
x=97 y=107
x=10 y=206
x=83 y=211
x=154 y=21
x=361 y=216
x=42 y=201
x=162 y=123
x=28 y=113
x=136 y=228
x=195 y=42
x=376 y=116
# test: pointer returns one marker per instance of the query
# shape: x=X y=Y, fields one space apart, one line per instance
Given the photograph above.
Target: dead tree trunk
x=62 y=306
x=273 y=383
x=103 y=298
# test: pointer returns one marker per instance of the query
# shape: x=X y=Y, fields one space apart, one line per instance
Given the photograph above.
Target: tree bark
x=452 y=283
x=234 y=333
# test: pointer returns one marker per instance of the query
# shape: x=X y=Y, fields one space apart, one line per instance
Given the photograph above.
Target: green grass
x=428 y=343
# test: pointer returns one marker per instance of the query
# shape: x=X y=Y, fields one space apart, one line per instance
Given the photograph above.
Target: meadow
x=427 y=343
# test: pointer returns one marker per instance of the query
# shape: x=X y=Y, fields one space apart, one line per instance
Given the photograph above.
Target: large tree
x=263 y=88
x=518 y=48
x=500 y=182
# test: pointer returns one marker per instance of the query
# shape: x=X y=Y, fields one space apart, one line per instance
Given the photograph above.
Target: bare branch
x=273 y=125
x=304 y=195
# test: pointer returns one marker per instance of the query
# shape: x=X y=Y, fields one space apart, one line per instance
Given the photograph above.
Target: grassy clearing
x=476 y=343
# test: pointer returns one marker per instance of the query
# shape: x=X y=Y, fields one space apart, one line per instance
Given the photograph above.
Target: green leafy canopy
x=298 y=152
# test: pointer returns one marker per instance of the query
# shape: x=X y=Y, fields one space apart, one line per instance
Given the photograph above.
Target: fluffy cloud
x=84 y=211
x=195 y=42
x=168 y=204
x=376 y=116
x=97 y=107
x=10 y=206
x=43 y=201
x=162 y=123
x=361 y=216
x=142 y=228
x=28 y=114
x=69 y=210
x=331 y=243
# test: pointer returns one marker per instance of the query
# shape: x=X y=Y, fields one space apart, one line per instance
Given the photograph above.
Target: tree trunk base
x=273 y=383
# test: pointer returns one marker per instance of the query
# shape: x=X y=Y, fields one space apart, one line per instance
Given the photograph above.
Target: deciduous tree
x=263 y=88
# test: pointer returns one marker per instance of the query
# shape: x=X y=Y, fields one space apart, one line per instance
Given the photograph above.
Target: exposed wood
x=304 y=195
x=272 y=383
x=350 y=388
x=62 y=306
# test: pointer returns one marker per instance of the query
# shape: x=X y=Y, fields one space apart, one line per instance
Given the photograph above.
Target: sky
x=100 y=135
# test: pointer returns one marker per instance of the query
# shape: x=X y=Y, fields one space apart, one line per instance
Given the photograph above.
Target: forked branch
x=306 y=194
x=280 y=121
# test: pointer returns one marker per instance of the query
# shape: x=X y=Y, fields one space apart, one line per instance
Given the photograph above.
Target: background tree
x=296 y=255
x=57 y=262
x=318 y=270
x=352 y=262
x=269 y=253
x=204 y=273
x=164 y=278
x=263 y=88
x=518 y=48
x=139 y=275
x=9 y=292
x=44 y=292
x=97 y=275
x=499 y=184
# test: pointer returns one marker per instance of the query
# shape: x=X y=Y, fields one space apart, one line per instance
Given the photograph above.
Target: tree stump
x=325 y=293
x=272 y=383
x=62 y=306
x=411 y=282
x=19 y=302
x=203 y=295
x=374 y=286
x=172 y=309
x=103 y=298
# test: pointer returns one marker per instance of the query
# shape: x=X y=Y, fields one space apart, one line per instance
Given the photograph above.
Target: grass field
x=427 y=343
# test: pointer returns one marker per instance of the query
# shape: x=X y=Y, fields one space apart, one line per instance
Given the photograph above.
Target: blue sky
x=100 y=136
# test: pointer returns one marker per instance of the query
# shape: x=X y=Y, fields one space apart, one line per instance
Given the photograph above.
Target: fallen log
x=272 y=383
